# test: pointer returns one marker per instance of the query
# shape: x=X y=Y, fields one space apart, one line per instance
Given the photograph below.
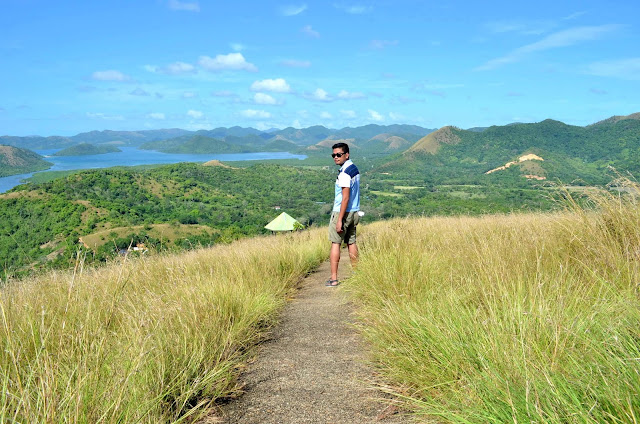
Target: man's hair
x=343 y=146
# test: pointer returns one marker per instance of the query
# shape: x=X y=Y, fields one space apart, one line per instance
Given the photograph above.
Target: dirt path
x=313 y=369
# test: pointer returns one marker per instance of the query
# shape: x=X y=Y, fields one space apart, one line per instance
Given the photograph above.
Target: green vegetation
x=41 y=224
x=508 y=318
x=85 y=149
x=150 y=340
x=196 y=144
x=14 y=160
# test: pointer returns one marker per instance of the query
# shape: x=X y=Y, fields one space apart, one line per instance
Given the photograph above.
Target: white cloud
x=325 y=115
x=110 y=75
x=344 y=94
x=105 y=116
x=256 y=114
x=375 y=116
x=292 y=63
x=559 y=39
x=183 y=5
x=237 y=46
x=396 y=116
x=231 y=61
x=628 y=69
x=310 y=32
x=195 y=114
x=321 y=95
x=349 y=114
x=264 y=99
x=189 y=95
x=156 y=115
x=381 y=44
x=177 y=68
x=277 y=85
x=292 y=10
x=296 y=124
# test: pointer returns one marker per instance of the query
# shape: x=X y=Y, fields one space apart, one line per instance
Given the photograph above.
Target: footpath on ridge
x=313 y=367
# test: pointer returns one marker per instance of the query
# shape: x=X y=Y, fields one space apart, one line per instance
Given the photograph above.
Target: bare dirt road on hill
x=313 y=368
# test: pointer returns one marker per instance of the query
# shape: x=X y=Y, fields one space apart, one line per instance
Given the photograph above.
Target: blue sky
x=74 y=66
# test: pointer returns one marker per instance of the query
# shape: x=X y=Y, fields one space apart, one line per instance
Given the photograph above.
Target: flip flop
x=332 y=283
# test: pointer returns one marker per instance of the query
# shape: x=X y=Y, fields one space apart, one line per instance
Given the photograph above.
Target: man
x=345 y=217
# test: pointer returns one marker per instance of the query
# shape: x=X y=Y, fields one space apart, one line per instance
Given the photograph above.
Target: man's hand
x=339 y=226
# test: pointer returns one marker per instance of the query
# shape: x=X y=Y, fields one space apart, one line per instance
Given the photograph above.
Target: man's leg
x=353 y=254
x=334 y=259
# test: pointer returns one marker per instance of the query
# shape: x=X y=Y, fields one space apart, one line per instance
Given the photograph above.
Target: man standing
x=345 y=217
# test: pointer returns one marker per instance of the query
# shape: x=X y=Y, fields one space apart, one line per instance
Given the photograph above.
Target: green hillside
x=86 y=149
x=14 y=160
x=195 y=144
x=569 y=153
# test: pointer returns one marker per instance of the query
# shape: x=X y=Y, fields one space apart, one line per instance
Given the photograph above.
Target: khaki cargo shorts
x=348 y=234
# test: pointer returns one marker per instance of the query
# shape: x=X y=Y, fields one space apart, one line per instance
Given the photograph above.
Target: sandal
x=332 y=283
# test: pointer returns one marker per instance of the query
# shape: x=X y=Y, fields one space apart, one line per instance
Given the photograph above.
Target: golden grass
x=150 y=340
x=518 y=318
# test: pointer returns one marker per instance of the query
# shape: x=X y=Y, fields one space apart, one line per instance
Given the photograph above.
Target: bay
x=132 y=156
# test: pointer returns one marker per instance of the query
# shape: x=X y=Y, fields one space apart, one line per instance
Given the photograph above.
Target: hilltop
x=14 y=160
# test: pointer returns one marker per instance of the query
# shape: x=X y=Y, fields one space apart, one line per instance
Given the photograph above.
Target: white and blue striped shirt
x=348 y=176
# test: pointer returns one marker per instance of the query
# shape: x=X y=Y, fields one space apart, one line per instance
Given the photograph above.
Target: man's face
x=339 y=157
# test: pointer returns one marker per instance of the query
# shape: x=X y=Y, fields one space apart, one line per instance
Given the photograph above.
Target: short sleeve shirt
x=348 y=176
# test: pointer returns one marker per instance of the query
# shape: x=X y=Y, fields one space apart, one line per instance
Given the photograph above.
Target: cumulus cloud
x=344 y=94
x=325 y=115
x=277 y=85
x=264 y=99
x=627 y=69
x=381 y=44
x=156 y=115
x=183 y=5
x=375 y=116
x=256 y=114
x=396 y=116
x=231 y=61
x=105 y=117
x=178 y=68
x=307 y=30
x=292 y=10
x=292 y=63
x=237 y=46
x=139 y=92
x=110 y=75
x=195 y=114
x=556 y=40
x=320 y=95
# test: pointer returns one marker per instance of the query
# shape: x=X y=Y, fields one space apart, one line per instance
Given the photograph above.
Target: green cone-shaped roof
x=284 y=222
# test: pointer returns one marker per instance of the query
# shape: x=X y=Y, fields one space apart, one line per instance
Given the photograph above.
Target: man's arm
x=346 y=192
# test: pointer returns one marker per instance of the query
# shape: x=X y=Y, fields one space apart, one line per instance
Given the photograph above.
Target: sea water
x=132 y=156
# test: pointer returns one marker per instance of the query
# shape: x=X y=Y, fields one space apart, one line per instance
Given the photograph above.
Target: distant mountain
x=14 y=160
x=195 y=144
x=567 y=152
x=37 y=142
x=86 y=149
x=305 y=136
x=129 y=138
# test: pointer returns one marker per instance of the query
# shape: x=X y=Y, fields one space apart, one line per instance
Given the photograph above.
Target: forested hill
x=14 y=160
x=560 y=151
x=85 y=149
x=173 y=206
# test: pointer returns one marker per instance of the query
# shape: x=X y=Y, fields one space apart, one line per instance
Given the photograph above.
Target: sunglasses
x=337 y=155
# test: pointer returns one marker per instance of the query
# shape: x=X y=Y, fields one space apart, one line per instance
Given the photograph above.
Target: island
x=14 y=161
x=86 y=149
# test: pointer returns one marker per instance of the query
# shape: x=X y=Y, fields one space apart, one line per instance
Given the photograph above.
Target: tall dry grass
x=519 y=318
x=150 y=340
